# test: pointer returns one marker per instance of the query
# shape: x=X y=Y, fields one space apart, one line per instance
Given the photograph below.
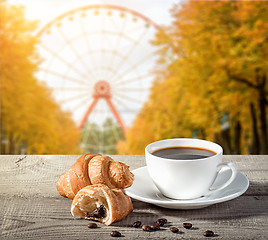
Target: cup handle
x=219 y=167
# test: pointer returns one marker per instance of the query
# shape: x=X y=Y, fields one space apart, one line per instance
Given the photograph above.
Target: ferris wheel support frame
x=102 y=91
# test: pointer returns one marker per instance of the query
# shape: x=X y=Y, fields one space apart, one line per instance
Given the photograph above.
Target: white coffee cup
x=186 y=179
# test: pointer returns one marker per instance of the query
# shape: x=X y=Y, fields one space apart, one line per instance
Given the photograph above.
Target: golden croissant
x=99 y=202
x=94 y=169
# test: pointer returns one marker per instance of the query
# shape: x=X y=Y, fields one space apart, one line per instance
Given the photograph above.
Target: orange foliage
x=29 y=115
x=214 y=64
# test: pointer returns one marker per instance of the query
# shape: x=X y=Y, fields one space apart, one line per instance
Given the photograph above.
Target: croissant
x=99 y=202
x=93 y=169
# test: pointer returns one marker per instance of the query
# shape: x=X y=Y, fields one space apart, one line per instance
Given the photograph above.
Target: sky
x=46 y=10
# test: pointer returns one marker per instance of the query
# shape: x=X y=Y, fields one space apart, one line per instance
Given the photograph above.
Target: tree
x=30 y=118
x=213 y=61
x=102 y=139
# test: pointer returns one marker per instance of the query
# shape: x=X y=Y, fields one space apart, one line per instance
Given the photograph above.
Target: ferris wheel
x=99 y=63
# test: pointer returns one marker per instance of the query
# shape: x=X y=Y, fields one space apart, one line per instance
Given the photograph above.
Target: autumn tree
x=212 y=81
x=30 y=118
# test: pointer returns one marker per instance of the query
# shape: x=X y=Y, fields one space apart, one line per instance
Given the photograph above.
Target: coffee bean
x=136 y=224
x=115 y=234
x=92 y=225
x=146 y=228
x=161 y=221
x=208 y=233
x=187 y=225
x=155 y=226
x=174 y=229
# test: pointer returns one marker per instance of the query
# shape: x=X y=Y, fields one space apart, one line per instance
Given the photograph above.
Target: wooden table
x=31 y=207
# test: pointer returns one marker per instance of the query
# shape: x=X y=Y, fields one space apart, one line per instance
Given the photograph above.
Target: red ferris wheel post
x=102 y=89
x=116 y=115
x=91 y=107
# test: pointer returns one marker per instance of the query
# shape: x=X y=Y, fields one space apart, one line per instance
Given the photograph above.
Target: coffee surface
x=183 y=153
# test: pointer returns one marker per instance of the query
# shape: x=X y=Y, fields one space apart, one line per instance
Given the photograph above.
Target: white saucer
x=143 y=189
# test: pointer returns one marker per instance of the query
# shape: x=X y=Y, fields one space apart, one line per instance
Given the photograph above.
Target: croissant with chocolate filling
x=94 y=169
x=99 y=202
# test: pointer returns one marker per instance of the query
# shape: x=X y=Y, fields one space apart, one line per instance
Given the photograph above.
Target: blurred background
x=110 y=77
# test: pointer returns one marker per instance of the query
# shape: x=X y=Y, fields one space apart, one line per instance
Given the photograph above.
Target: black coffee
x=183 y=153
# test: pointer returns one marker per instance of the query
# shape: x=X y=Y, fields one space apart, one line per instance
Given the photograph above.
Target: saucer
x=143 y=189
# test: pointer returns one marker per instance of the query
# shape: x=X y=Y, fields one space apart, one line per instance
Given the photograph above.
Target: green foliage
x=101 y=139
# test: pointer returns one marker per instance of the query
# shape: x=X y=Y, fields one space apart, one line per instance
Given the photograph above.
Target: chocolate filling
x=99 y=212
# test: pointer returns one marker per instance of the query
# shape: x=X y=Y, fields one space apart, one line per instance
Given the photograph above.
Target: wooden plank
x=44 y=218
x=62 y=162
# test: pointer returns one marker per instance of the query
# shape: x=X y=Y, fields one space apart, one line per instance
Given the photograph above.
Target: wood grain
x=31 y=208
